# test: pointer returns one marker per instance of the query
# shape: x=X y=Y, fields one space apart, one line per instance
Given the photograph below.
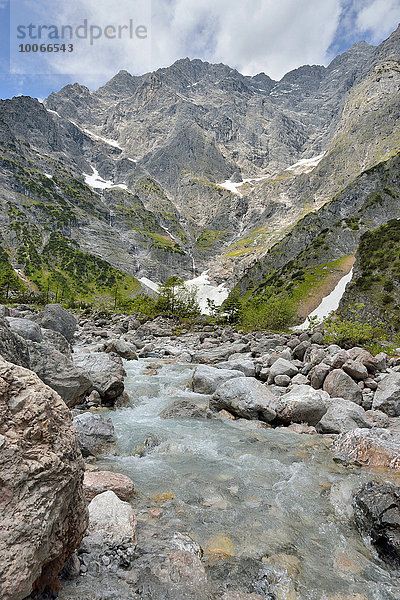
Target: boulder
x=55 y=317
x=282 y=367
x=340 y=385
x=122 y=348
x=29 y=330
x=12 y=346
x=387 y=395
x=282 y=380
x=220 y=353
x=300 y=379
x=337 y=360
x=59 y=372
x=247 y=367
x=343 y=415
x=245 y=397
x=302 y=404
x=105 y=371
x=43 y=510
x=96 y=434
x=300 y=350
x=97 y=482
x=57 y=341
x=112 y=518
x=355 y=369
x=377 y=515
x=185 y=409
x=206 y=379
x=318 y=375
x=368 y=447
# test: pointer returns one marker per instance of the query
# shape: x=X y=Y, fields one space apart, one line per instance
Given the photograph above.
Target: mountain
x=196 y=167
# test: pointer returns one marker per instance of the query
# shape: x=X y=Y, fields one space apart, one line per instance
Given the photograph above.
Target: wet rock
x=245 y=397
x=340 y=385
x=97 y=482
x=112 y=518
x=377 y=514
x=387 y=395
x=206 y=379
x=55 y=317
x=355 y=369
x=368 y=447
x=59 y=372
x=122 y=348
x=342 y=415
x=185 y=409
x=302 y=404
x=105 y=371
x=147 y=446
x=41 y=527
x=96 y=434
x=25 y=328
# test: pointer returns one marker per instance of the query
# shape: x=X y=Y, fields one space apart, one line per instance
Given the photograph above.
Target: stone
x=185 y=409
x=96 y=434
x=302 y=404
x=219 y=354
x=43 y=510
x=300 y=379
x=340 y=385
x=55 y=317
x=377 y=515
x=12 y=346
x=59 y=372
x=282 y=380
x=318 y=374
x=302 y=428
x=206 y=379
x=112 y=518
x=245 y=397
x=381 y=361
x=317 y=338
x=238 y=595
x=246 y=366
x=342 y=415
x=97 y=482
x=282 y=367
x=57 y=341
x=338 y=359
x=377 y=418
x=355 y=369
x=300 y=350
x=29 y=330
x=122 y=348
x=105 y=371
x=387 y=395
x=368 y=447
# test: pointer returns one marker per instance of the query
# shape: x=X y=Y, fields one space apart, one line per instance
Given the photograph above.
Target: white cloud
x=379 y=17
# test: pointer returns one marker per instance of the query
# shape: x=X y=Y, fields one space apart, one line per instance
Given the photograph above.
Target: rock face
x=97 y=482
x=245 y=397
x=206 y=379
x=55 y=317
x=377 y=514
x=368 y=447
x=387 y=395
x=96 y=434
x=43 y=510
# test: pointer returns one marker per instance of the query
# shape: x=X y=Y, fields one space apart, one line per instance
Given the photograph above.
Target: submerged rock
x=377 y=514
x=43 y=510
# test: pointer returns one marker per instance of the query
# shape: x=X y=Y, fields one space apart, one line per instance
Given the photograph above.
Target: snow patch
x=54 y=112
x=205 y=289
x=233 y=187
x=95 y=181
x=330 y=302
x=306 y=165
x=150 y=284
x=48 y=175
x=100 y=138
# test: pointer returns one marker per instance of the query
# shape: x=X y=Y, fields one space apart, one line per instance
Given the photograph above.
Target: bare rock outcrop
x=43 y=510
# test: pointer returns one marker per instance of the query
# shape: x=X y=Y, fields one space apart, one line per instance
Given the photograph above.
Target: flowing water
x=246 y=491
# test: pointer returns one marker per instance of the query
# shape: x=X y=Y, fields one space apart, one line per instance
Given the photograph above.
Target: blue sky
x=252 y=36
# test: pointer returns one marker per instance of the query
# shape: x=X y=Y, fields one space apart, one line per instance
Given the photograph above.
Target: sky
x=142 y=35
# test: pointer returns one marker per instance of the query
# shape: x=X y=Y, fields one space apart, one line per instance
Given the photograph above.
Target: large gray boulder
x=12 y=346
x=96 y=434
x=55 y=317
x=282 y=367
x=106 y=372
x=246 y=366
x=303 y=404
x=340 y=385
x=59 y=372
x=122 y=348
x=206 y=379
x=245 y=397
x=57 y=340
x=387 y=395
x=29 y=330
x=43 y=510
x=219 y=353
x=343 y=415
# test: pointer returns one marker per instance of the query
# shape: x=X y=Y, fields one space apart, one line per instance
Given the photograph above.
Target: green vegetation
x=10 y=284
x=209 y=238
